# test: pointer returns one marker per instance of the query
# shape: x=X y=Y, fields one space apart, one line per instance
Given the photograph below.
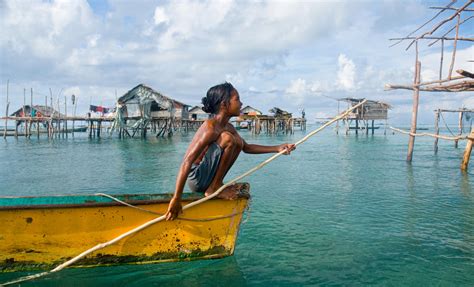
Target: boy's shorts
x=202 y=174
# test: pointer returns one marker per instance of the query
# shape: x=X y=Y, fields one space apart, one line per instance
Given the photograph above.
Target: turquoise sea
x=340 y=211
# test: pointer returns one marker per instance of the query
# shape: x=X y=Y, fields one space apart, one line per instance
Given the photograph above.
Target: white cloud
x=160 y=16
x=346 y=74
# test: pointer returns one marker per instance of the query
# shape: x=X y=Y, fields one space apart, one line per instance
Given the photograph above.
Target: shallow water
x=341 y=210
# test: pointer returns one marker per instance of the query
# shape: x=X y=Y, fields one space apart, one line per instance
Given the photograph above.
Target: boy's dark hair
x=215 y=96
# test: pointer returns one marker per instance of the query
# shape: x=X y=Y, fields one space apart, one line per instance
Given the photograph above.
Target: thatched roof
x=249 y=109
x=355 y=101
x=142 y=94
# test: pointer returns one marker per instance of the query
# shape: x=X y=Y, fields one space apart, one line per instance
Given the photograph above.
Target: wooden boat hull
x=42 y=232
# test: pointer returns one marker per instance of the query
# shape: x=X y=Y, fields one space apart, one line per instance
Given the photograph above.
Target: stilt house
x=196 y=114
x=370 y=111
x=37 y=111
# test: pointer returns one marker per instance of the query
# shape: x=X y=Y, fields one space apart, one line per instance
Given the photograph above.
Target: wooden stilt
x=90 y=124
x=414 y=115
x=31 y=112
x=467 y=151
x=6 y=113
x=99 y=126
x=460 y=128
x=65 y=115
x=373 y=127
x=436 y=130
x=58 y=121
x=357 y=126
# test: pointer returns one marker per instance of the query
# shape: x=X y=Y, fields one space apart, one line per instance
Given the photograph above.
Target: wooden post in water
x=90 y=124
x=460 y=128
x=414 y=115
x=357 y=126
x=74 y=113
x=24 y=113
x=99 y=126
x=436 y=130
x=373 y=127
x=37 y=127
x=65 y=115
x=6 y=113
x=467 y=151
x=31 y=113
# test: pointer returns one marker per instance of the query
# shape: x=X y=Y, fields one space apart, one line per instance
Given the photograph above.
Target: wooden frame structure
x=460 y=83
x=370 y=111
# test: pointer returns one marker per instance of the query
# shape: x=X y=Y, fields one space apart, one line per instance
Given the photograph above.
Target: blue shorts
x=202 y=174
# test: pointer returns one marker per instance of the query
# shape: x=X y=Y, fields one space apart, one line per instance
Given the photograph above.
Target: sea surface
x=339 y=211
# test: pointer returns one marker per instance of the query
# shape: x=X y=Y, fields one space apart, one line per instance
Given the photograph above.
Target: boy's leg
x=231 y=148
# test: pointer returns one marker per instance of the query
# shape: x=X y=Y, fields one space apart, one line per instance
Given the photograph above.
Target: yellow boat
x=43 y=232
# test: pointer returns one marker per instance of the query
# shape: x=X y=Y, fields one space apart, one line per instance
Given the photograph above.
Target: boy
x=214 y=149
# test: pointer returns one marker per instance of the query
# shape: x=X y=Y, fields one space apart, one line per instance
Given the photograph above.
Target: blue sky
x=290 y=54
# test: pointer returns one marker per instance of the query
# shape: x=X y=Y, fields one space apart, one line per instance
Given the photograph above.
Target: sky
x=289 y=54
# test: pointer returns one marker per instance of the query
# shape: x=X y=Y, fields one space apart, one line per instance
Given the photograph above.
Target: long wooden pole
x=24 y=113
x=31 y=112
x=414 y=114
x=453 y=57
x=436 y=130
x=6 y=113
x=460 y=128
x=65 y=115
x=441 y=61
x=467 y=151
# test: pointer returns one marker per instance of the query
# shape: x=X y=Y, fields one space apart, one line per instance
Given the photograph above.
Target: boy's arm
x=196 y=147
x=257 y=149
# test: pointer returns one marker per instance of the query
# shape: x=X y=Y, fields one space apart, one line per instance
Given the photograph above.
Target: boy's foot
x=231 y=192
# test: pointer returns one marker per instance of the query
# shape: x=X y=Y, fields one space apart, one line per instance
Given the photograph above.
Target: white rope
x=429 y=135
x=194 y=203
x=160 y=214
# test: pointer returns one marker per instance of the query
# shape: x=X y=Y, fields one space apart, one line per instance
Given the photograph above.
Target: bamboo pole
x=436 y=131
x=6 y=113
x=467 y=151
x=441 y=61
x=460 y=128
x=414 y=115
x=447 y=32
x=453 y=57
x=65 y=115
x=31 y=112
x=58 y=120
x=24 y=113
x=434 y=38
x=50 y=123
x=424 y=24
x=74 y=114
x=441 y=23
x=37 y=127
x=467 y=85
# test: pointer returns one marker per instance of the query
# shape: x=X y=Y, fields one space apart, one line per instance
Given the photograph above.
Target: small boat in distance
x=39 y=233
